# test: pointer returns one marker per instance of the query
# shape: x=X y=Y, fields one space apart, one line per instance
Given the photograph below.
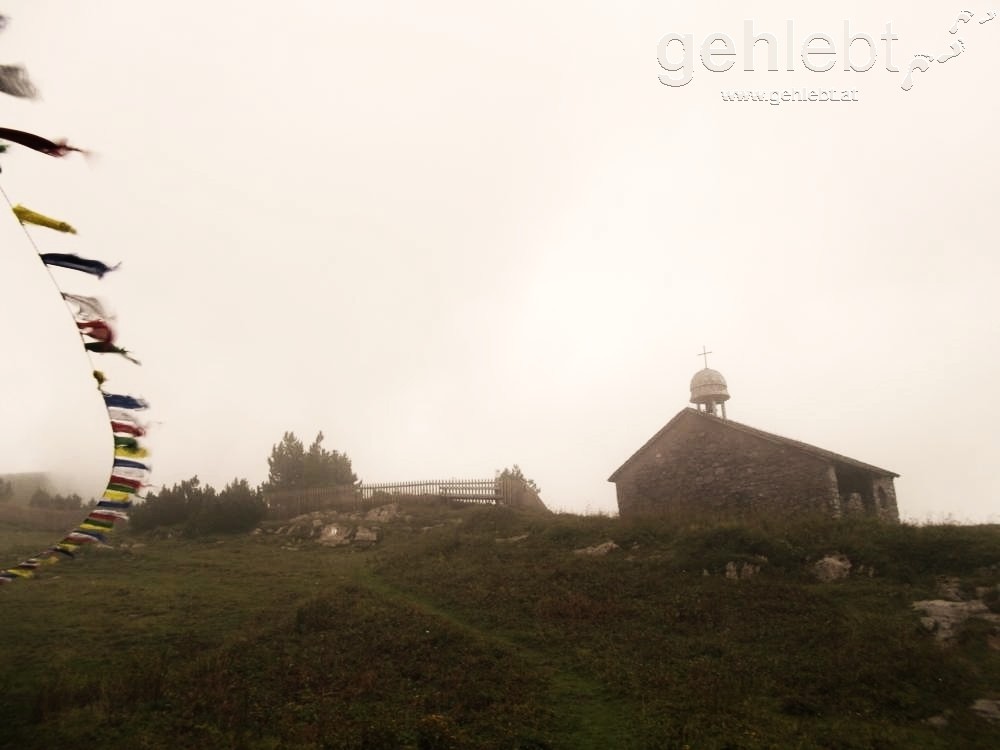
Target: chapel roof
x=769 y=436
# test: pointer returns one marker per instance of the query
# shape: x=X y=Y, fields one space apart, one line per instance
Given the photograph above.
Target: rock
x=938 y=722
x=364 y=535
x=949 y=589
x=384 y=513
x=987 y=709
x=598 y=550
x=333 y=535
x=735 y=572
x=832 y=568
x=948 y=616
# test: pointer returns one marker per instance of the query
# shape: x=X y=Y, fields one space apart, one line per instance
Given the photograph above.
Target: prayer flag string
x=129 y=469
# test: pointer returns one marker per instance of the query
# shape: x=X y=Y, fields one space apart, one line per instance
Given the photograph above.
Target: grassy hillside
x=479 y=627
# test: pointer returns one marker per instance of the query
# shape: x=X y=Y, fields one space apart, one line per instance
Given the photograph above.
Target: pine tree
x=517 y=474
x=286 y=465
x=292 y=467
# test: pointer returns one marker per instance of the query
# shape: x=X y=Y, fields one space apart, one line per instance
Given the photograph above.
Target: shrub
x=237 y=508
x=200 y=509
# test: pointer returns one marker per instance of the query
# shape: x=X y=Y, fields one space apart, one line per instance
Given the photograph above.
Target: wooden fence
x=485 y=491
x=290 y=503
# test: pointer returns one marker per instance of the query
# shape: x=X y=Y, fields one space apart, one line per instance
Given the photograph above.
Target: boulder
x=832 y=568
x=741 y=571
x=598 y=550
x=943 y=618
x=365 y=535
x=949 y=589
x=987 y=709
x=384 y=513
x=334 y=535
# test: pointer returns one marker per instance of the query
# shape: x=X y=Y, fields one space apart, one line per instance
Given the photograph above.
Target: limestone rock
x=929 y=624
x=365 y=535
x=832 y=568
x=741 y=572
x=949 y=589
x=598 y=550
x=334 y=535
x=384 y=513
x=943 y=618
x=938 y=722
x=987 y=709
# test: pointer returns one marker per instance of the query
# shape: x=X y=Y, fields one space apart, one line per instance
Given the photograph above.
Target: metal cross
x=704 y=354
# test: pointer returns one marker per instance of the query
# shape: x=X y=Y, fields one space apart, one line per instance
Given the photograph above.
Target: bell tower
x=708 y=389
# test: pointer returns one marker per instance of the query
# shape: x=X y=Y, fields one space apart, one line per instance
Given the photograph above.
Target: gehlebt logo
x=817 y=52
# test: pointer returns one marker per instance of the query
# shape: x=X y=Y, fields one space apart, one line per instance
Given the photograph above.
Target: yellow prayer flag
x=27 y=216
x=92 y=527
x=125 y=452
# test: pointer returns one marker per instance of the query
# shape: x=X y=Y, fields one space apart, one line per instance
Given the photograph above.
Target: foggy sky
x=459 y=236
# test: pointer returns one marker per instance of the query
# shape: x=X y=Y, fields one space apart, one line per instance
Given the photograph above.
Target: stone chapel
x=705 y=463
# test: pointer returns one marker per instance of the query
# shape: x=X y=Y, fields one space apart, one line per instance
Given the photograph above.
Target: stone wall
x=700 y=465
x=885 y=499
x=879 y=500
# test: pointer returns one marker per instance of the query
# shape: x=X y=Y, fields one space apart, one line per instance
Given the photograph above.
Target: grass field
x=453 y=633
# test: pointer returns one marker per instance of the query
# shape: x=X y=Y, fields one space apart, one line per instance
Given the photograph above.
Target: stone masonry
x=707 y=465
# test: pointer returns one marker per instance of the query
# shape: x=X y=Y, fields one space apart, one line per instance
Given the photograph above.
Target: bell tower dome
x=708 y=389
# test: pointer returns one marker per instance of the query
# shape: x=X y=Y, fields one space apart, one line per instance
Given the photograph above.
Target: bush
x=237 y=508
x=200 y=509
